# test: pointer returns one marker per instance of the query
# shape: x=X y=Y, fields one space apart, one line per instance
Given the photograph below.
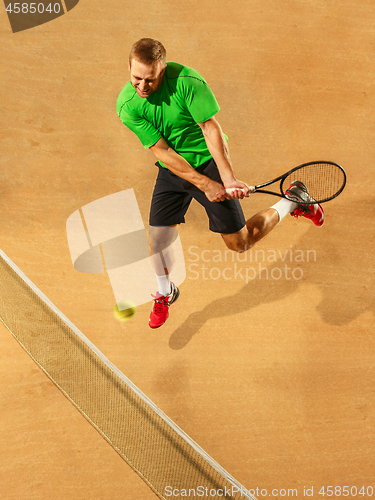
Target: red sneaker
x=298 y=193
x=160 y=311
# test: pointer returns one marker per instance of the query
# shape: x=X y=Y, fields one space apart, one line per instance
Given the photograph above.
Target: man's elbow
x=159 y=145
x=160 y=149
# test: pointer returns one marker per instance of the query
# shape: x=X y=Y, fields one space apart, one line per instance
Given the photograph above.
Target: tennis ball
x=123 y=311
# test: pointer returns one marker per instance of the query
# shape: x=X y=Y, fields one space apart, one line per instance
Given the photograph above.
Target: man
x=172 y=111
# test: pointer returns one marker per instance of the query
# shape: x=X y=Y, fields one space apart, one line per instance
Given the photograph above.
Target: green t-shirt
x=183 y=100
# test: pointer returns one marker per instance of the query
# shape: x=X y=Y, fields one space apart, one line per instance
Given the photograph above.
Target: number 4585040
x=33 y=8
x=345 y=491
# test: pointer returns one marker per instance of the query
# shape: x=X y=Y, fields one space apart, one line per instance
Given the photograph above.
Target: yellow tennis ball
x=123 y=311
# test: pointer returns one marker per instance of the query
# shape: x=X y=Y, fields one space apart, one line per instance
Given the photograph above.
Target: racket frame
x=281 y=178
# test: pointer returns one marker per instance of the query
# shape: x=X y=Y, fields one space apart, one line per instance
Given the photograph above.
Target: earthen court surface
x=273 y=376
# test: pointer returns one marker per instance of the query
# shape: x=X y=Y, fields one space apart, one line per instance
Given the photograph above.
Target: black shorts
x=172 y=196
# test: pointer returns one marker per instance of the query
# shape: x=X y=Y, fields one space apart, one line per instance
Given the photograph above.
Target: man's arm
x=218 y=147
x=179 y=166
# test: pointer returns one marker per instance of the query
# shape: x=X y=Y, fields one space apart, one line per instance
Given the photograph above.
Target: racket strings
x=324 y=181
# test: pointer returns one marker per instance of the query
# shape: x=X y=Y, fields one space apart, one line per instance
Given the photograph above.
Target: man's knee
x=161 y=237
x=235 y=242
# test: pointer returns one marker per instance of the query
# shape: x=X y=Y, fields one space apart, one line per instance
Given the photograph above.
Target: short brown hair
x=148 y=51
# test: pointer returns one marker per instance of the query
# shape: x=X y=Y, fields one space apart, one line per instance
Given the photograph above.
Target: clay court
x=270 y=372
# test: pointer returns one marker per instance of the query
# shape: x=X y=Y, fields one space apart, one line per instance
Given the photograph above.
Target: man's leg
x=258 y=226
x=169 y=204
x=161 y=240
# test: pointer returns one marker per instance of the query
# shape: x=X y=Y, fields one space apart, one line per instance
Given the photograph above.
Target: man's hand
x=215 y=191
x=238 y=194
x=218 y=147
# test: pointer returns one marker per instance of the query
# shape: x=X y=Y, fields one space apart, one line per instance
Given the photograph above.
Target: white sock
x=284 y=207
x=164 y=284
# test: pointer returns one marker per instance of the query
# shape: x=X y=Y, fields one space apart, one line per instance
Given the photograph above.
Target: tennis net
x=164 y=456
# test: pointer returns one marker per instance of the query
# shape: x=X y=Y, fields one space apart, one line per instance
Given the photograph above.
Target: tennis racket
x=324 y=180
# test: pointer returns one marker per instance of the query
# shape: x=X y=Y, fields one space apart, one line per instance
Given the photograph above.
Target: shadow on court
x=342 y=274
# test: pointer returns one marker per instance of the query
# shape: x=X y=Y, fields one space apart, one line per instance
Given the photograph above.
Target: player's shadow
x=342 y=272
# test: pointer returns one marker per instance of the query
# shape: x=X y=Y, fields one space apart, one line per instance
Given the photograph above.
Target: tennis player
x=172 y=110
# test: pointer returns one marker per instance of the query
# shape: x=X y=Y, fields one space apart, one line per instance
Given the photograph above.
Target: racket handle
x=230 y=190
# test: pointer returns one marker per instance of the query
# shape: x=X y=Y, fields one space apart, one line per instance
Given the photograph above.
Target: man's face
x=146 y=79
